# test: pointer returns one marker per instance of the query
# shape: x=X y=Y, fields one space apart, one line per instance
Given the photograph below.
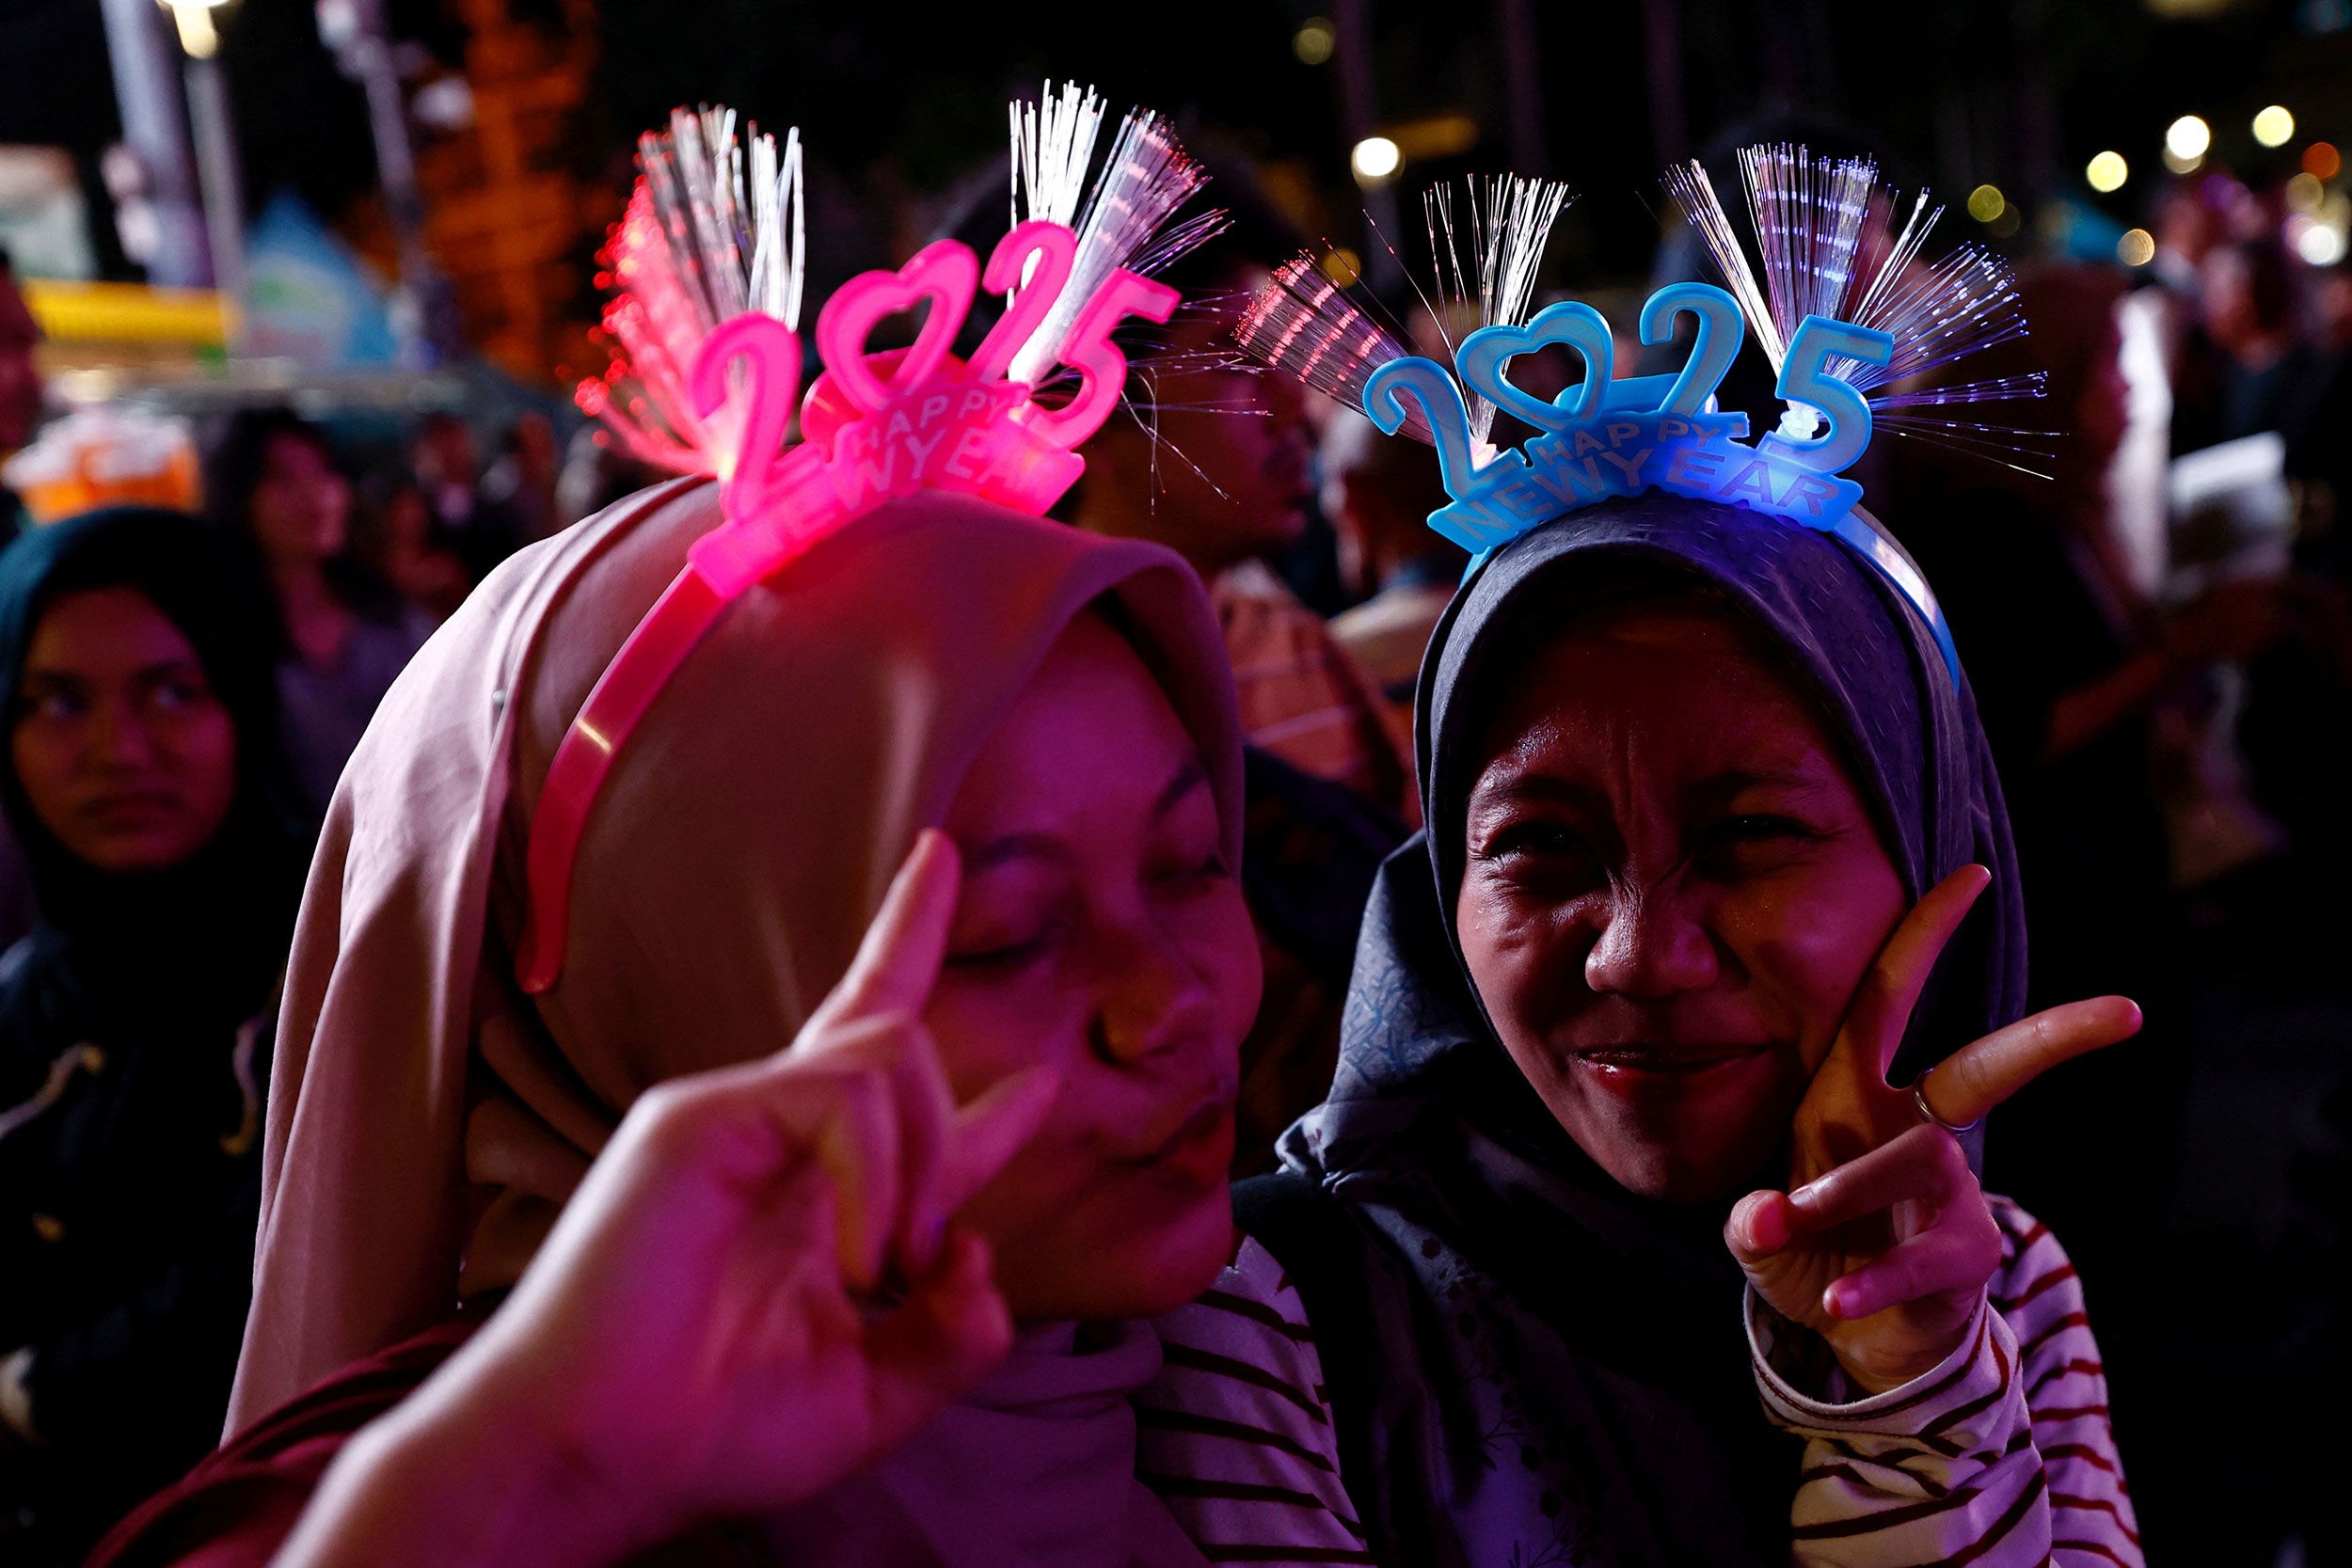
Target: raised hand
x=1883 y=1243
x=755 y=1291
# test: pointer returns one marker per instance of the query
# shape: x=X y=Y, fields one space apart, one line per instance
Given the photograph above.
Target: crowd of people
x=1549 y=956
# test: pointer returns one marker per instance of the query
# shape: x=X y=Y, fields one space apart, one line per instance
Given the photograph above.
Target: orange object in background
x=106 y=457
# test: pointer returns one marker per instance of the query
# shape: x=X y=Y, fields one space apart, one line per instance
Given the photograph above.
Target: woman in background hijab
x=142 y=779
x=740 y=1324
x=1623 y=1020
x=274 y=481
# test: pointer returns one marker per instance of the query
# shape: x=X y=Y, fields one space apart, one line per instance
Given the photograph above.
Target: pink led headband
x=875 y=426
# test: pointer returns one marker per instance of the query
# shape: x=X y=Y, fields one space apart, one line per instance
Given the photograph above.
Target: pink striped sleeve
x=2000 y=1457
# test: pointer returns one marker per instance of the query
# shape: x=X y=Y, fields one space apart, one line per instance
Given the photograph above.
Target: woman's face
x=1099 y=930
x=1672 y=888
x=301 y=507
x=124 y=750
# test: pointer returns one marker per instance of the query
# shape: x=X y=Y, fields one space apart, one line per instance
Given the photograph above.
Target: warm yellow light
x=2273 y=126
x=1314 y=41
x=1342 y=266
x=1985 y=203
x=1376 y=160
x=2179 y=164
x=2188 y=138
x=2304 y=193
x=2137 y=248
x=2107 y=172
x=198 y=35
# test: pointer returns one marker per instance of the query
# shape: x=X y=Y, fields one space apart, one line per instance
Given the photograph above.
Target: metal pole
x=147 y=97
x=357 y=33
x=224 y=195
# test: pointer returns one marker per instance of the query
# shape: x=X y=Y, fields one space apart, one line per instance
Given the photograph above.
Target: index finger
x=1974 y=1079
x=898 y=962
x=1881 y=1005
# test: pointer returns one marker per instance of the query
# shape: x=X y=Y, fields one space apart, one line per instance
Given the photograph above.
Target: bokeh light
x=1314 y=41
x=2137 y=248
x=2273 y=126
x=2304 y=193
x=2107 y=172
x=1985 y=203
x=1376 y=160
x=2321 y=244
x=2188 y=137
x=2321 y=160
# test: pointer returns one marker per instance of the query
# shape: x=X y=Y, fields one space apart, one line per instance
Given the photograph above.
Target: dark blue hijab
x=1560 y=1372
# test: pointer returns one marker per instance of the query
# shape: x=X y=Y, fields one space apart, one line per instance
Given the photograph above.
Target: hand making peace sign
x=1883 y=1243
x=757 y=1289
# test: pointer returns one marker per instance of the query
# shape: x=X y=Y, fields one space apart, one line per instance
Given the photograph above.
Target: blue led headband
x=1606 y=438
x=1860 y=327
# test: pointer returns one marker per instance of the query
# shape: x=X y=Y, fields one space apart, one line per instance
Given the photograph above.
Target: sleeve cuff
x=1971 y=1373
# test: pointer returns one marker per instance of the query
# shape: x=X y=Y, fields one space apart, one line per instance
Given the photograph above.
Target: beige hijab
x=737 y=851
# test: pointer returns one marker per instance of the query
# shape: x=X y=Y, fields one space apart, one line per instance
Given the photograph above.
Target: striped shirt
x=1235 y=1435
x=2002 y=1457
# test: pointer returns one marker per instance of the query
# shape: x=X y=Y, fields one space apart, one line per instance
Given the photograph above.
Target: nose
x=1147 y=999
x=118 y=739
x=1651 y=947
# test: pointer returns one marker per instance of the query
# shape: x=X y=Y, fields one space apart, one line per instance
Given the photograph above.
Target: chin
x=1690 y=1164
x=1668 y=1174
x=1135 y=1272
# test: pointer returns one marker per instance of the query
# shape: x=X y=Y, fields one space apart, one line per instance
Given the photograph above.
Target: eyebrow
x=162 y=671
x=1188 y=777
x=1715 y=788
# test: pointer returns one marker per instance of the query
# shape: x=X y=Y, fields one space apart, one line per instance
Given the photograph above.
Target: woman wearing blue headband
x=1705 y=869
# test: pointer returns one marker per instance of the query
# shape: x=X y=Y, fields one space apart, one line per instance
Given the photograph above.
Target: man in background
x=1378 y=491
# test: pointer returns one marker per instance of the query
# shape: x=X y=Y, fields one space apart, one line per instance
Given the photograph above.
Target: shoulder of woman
x=239 y=1503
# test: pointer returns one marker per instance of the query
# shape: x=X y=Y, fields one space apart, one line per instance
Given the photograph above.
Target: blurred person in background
x=2070 y=665
x=448 y=466
x=521 y=482
x=19 y=388
x=1378 y=493
x=274 y=480
x=20 y=413
x=2246 y=368
x=1218 y=467
x=394 y=535
x=143 y=780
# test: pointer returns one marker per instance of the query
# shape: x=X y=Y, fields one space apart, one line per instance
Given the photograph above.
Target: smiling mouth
x=1695 y=1059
